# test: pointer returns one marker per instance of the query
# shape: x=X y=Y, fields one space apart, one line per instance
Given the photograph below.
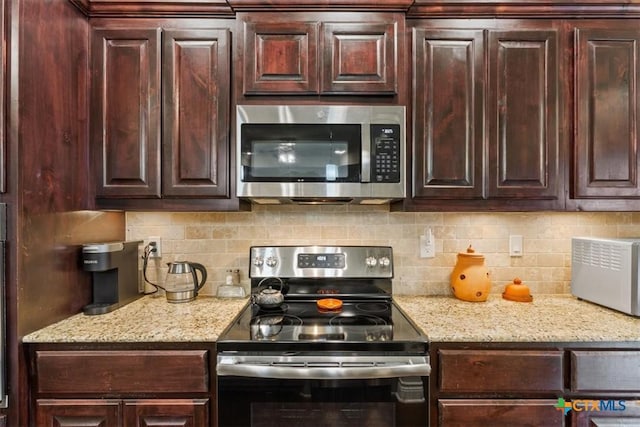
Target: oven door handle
x=317 y=370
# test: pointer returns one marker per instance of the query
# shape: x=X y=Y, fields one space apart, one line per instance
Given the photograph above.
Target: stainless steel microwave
x=321 y=153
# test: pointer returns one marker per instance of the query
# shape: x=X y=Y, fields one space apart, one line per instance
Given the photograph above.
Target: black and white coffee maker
x=114 y=271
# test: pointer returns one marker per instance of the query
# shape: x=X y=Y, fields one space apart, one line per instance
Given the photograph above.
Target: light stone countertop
x=148 y=319
x=549 y=318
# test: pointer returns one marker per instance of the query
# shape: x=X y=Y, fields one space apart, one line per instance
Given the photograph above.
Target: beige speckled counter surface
x=549 y=318
x=149 y=319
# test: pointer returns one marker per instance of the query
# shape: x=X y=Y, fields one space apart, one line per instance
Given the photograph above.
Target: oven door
x=323 y=391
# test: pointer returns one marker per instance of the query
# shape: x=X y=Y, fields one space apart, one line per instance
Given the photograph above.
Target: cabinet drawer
x=501 y=412
x=493 y=371
x=122 y=372
x=605 y=371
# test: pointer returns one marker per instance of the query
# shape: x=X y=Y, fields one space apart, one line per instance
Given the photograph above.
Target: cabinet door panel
x=126 y=112
x=167 y=413
x=196 y=82
x=3 y=100
x=607 y=113
x=498 y=413
x=625 y=414
x=448 y=90
x=125 y=372
x=77 y=413
x=524 y=150
x=601 y=371
x=497 y=371
x=280 y=58
x=359 y=58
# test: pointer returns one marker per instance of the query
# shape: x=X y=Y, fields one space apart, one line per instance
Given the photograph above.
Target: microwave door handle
x=323 y=373
x=366 y=154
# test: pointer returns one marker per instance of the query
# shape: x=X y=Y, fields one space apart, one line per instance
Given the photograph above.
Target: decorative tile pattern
x=221 y=240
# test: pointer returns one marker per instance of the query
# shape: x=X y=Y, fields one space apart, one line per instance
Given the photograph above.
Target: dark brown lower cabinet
x=499 y=412
x=126 y=413
x=499 y=387
x=605 y=371
x=623 y=416
x=77 y=413
x=609 y=384
x=116 y=385
x=178 y=412
x=501 y=371
x=535 y=384
x=110 y=412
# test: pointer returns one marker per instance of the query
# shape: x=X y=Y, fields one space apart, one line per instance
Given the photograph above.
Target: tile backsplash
x=221 y=240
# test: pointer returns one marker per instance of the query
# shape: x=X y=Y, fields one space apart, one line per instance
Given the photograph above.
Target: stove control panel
x=321 y=261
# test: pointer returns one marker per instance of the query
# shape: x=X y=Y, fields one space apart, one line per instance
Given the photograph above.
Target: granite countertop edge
x=549 y=318
x=148 y=319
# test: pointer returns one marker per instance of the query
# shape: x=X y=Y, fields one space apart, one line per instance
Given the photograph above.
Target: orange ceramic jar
x=470 y=277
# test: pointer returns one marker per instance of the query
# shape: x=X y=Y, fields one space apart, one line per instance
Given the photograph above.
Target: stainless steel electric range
x=322 y=342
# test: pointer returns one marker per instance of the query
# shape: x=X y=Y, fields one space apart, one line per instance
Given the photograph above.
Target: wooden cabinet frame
x=195 y=114
x=607 y=112
x=486 y=131
x=324 y=54
x=160 y=119
x=122 y=384
x=125 y=100
x=472 y=382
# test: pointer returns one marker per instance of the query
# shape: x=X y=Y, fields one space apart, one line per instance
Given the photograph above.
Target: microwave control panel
x=385 y=153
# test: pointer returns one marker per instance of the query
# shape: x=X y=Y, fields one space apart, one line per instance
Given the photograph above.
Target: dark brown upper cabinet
x=485 y=108
x=160 y=113
x=195 y=112
x=607 y=107
x=125 y=112
x=448 y=93
x=524 y=148
x=288 y=55
x=358 y=57
x=146 y=8
x=280 y=57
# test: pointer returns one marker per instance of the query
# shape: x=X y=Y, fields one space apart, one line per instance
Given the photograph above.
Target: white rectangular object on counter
x=230 y=291
x=605 y=271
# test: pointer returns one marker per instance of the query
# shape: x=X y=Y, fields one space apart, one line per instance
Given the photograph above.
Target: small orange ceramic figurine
x=470 y=278
x=517 y=291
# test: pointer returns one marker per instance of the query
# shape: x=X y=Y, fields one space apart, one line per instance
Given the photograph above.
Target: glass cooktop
x=295 y=324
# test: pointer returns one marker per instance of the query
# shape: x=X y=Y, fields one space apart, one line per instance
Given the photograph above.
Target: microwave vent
x=598 y=254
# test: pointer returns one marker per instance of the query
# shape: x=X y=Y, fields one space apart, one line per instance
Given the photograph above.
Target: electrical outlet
x=427 y=244
x=157 y=253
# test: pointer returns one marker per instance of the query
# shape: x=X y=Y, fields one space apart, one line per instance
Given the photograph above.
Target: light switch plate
x=427 y=244
x=516 y=245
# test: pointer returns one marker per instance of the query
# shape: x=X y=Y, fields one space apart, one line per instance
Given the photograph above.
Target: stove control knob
x=272 y=261
x=258 y=261
x=384 y=262
x=371 y=261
